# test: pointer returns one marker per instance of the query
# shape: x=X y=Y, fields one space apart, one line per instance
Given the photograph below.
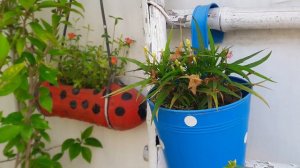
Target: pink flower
x=229 y=55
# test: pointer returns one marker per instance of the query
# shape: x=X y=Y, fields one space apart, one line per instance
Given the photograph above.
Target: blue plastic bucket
x=204 y=138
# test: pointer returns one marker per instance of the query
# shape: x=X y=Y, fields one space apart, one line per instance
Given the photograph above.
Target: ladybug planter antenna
x=87 y=74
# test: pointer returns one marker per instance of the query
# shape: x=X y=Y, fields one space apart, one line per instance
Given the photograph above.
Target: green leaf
x=45 y=135
x=49 y=4
x=57 y=156
x=174 y=99
x=45 y=99
x=159 y=101
x=8 y=18
x=42 y=34
x=93 y=142
x=199 y=35
x=14 y=118
x=38 y=122
x=86 y=154
x=74 y=150
x=55 y=20
x=48 y=74
x=67 y=143
x=246 y=58
x=4 y=45
x=9 y=86
x=12 y=71
x=8 y=149
x=256 y=63
x=10 y=79
x=249 y=90
x=43 y=161
x=136 y=62
x=1 y=116
x=87 y=132
x=26 y=132
x=57 y=165
x=27 y=4
x=211 y=41
x=9 y=132
x=166 y=53
x=79 y=5
x=29 y=57
x=128 y=87
x=38 y=43
x=20 y=45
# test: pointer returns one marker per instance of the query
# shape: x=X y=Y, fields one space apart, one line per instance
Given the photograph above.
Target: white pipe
x=228 y=19
x=155 y=38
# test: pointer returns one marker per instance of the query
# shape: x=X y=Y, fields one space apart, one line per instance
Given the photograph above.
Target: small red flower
x=71 y=36
x=113 y=60
x=129 y=41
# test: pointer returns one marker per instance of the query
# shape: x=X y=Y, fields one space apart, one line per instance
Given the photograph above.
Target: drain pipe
x=227 y=19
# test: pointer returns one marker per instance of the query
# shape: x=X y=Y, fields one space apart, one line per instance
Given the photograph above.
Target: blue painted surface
x=200 y=15
x=218 y=136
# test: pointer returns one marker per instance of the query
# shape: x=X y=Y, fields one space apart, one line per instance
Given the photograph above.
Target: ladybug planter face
x=125 y=111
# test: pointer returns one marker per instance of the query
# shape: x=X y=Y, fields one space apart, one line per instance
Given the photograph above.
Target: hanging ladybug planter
x=89 y=67
x=125 y=111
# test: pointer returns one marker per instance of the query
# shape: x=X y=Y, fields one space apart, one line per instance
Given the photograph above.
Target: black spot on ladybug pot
x=120 y=111
x=73 y=104
x=85 y=104
x=126 y=96
x=143 y=110
x=96 y=108
x=75 y=91
x=63 y=94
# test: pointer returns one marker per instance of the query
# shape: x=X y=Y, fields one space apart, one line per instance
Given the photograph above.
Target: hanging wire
x=107 y=98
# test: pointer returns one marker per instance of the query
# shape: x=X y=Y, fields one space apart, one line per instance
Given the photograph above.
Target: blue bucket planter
x=204 y=138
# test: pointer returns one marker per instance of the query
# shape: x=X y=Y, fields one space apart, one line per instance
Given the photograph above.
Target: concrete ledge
x=265 y=164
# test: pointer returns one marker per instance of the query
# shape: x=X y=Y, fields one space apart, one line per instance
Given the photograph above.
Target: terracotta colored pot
x=125 y=110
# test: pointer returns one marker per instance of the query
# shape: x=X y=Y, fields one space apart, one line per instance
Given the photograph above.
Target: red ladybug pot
x=125 y=111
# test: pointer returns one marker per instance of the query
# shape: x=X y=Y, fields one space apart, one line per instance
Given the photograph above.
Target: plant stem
x=8 y=160
x=17 y=160
x=33 y=85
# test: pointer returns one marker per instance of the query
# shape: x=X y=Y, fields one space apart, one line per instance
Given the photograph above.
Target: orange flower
x=71 y=36
x=128 y=41
x=113 y=60
x=195 y=81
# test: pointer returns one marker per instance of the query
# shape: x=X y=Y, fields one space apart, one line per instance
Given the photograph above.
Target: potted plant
x=27 y=44
x=84 y=73
x=200 y=102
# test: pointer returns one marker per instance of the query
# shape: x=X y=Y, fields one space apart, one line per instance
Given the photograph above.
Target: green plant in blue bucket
x=199 y=105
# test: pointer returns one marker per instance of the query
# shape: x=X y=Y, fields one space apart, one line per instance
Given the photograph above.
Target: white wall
x=273 y=133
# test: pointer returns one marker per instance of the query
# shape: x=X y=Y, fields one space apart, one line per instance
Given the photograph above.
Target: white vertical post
x=155 y=37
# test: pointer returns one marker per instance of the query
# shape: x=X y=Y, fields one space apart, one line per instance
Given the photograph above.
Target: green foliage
x=88 y=66
x=4 y=45
x=28 y=46
x=189 y=78
x=9 y=132
x=45 y=99
x=82 y=145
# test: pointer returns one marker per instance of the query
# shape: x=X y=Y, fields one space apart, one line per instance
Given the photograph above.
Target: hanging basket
x=125 y=111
